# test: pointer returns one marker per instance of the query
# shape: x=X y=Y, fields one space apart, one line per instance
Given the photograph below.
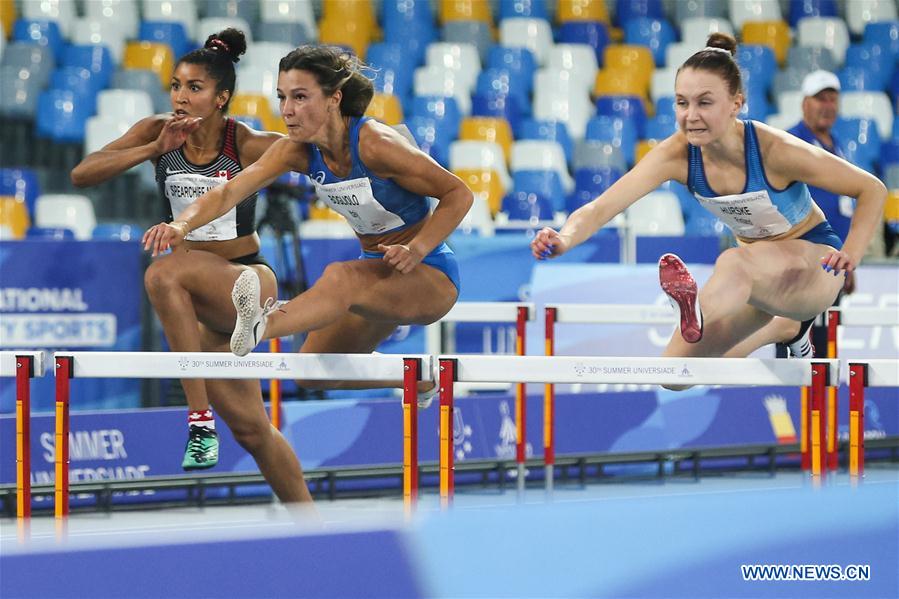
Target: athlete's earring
x=220 y=106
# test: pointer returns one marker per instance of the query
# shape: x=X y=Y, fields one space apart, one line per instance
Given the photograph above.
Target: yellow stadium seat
x=149 y=55
x=618 y=81
x=891 y=208
x=386 y=108
x=582 y=10
x=14 y=215
x=257 y=106
x=358 y=11
x=485 y=184
x=643 y=148
x=8 y=16
x=635 y=58
x=465 y=10
x=353 y=34
x=774 y=34
x=479 y=128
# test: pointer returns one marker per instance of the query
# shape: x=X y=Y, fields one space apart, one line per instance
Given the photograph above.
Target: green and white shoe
x=202 y=449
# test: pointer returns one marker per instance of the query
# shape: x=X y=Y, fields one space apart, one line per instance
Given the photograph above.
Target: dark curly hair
x=218 y=56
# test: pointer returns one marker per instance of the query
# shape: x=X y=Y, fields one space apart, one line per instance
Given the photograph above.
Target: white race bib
x=750 y=215
x=183 y=189
x=356 y=202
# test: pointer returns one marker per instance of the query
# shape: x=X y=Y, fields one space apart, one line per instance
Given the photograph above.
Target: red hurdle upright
x=24 y=373
x=411 y=372
x=274 y=388
x=64 y=373
x=858 y=380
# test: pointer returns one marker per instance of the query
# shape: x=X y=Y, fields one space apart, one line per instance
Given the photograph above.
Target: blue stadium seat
x=248 y=11
x=616 y=131
x=664 y=106
x=755 y=106
x=531 y=9
x=547 y=130
x=592 y=33
x=588 y=184
x=626 y=107
x=655 y=34
x=20 y=183
x=443 y=110
x=884 y=34
x=660 y=127
x=62 y=114
x=95 y=58
x=545 y=183
x=877 y=60
x=497 y=105
x=800 y=9
x=78 y=80
x=519 y=61
x=860 y=79
x=18 y=94
x=42 y=33
x=389 y=55
x=167 y=32
x=431 y=138
x=889 y=153
x=759 y=62
x=117 y=231
x=411 y=24
x=522 y=205
x=50 y=233
x=39 y=60
x=633 y=9
x=860 y=138
x=504 y=82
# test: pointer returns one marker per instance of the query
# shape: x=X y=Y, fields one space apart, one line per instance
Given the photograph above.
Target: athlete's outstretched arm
x=147 y=139
x=664 y=162
x=389 y=155
x=817 y=167
x=216 y=202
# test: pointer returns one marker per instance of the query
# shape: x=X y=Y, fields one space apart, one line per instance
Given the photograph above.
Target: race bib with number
x=356 y=202
x=183 y=189
x=750 y=215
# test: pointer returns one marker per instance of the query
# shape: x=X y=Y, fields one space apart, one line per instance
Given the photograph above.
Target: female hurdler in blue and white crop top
x=752 y=177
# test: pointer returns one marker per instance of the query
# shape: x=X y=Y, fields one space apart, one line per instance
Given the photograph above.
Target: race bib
x=183 y=189
x=356 y=202
x=749 y=215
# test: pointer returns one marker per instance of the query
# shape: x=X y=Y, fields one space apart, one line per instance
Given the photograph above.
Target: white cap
x=817 y=81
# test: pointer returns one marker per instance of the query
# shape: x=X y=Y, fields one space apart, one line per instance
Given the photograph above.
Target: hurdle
x=862 y=374
x=438 y=333
x=647 y=314
x=173 y=365
x=849 y=316
x=23 y=366
x=819 y=374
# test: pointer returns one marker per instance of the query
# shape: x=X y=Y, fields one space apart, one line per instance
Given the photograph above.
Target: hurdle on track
x=849 y=316
x=438 y=334
x=24 y=365
x=865 y=373
x=644 y=314
x=172 y=365
x=819 y=374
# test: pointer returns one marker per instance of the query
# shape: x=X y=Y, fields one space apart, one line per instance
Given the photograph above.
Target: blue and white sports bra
x=372 y=205
x=761 y=210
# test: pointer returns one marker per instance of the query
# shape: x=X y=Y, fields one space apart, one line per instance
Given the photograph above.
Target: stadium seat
x=117 y=231
x=532 y=9
x=698 y=29
x=774 y=34
x=464 y=10
x=547 y=130
x=292 y=34
x=289 y=11
x=628 y=10
x=77 y=80
x=491 y=129
x=505 y=82
x=555 y=104
x=497 y=105
x=654 y=33
x=591 y=33
x=441 y=81
x=518 y=60
x=664 y=106
x=635 y=59
x=257 y=79
x=41 y=33
x=677 y=53
x=175 y=11
x=657 y=213
x=527 y=206
x=62 y=12
x=358 y=12
x=874 y=105
x=825 y=32
x=533 y=34
x=616 y=131
x=62 y=115
x=863 y=134
x=582 y=10
x=542 y=182
x=474 y=33
x=480 y=155
x=124 y=14
x=878 y=61
x=787 y=80
x=38 y=61
x=758 y=64
x=596 y=155
x=349 y=34
x=660 y=127
x=14 y=216
x=209 y=25
x=97 y=59
x=579 y=60
x=590 y=183
x=100 y=130
x=691 y=9
x=461 y=58
x=75 y=212
x=885 y=34
x=146 y=81
x=443 y=109
x=151 y=56
x=662 y=83
x=103 y=32
x=860 y=79
x=8 y=16
x=753 y=10
x=626 y=107
x=485 y=184
x=22 y=184
x=129 y=105
x=540 y=155
x=248 y=11
x=431 y=139
x=861 y=12
x=386 y=108
x=171 y=33
x=800 y=9
x=50 y=233
x=18 y=94
x=811 y=58
x=257 y=106
x=643 y=148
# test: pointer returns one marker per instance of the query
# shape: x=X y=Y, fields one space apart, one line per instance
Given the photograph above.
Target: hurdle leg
x=274 y=388
x=805 y=429
x=521 y=405
x=447 y=383
x=24 y=372
x=549 y=405
x=64 y=368
x=858 y=379
x=820 y=378
x=833 y=417
x=411 y=370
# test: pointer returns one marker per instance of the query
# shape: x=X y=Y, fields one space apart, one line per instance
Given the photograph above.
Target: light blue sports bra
x=760 y=210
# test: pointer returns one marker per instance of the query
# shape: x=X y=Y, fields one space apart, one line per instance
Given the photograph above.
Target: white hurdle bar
x=865 y=373
x=646 y=314
x=819 y=374
x=173 y=365
x=849 y=316
x=23 y=365
x=490 y=312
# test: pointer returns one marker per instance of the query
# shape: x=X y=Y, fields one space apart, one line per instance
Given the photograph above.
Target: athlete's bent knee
x=160 y=279
x=252 y=437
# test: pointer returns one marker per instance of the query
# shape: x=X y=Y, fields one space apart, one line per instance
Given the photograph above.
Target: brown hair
x=718 y=57
x=334 y=69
